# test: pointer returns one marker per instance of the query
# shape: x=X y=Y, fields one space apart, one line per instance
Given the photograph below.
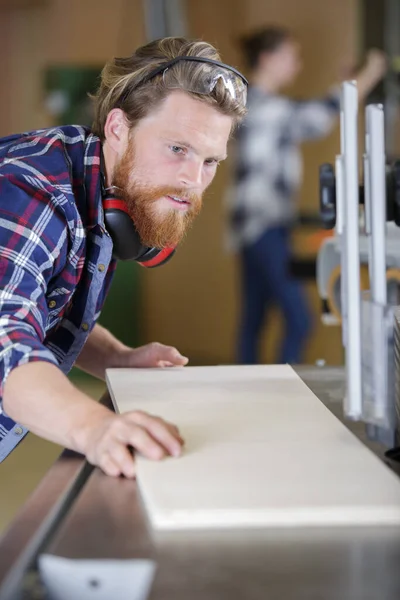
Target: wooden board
x=261 y=450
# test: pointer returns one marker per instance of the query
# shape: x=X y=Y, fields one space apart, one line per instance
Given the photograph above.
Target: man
x=266 y=181
x=162 y=121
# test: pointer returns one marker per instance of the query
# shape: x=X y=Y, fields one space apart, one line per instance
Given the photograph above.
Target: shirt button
x=18 y=431
x=85 y=326
x=52 y=303
x=101 y=268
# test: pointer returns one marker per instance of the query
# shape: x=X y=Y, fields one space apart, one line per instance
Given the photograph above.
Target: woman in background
x=266 y=181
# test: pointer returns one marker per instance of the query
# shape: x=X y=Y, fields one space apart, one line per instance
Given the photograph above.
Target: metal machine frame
x=368 y=321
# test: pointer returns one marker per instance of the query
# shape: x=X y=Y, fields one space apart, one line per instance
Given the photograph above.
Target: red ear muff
x=125 y=238
x=159 y=259
x=113 y=203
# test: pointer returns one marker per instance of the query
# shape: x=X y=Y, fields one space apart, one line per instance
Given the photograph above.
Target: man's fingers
x=124 y=460
x=109 y=466
x=164 y=433
x=165 y=363
x=169 y=356
x=142 y=418
x=112 y=441
x=174 y=430
x=142 y=441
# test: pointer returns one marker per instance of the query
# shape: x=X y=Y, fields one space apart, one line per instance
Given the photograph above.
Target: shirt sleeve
x=312 y=119
x=31 y=235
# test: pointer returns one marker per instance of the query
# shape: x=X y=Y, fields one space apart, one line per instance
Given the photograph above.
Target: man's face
x=171 y=158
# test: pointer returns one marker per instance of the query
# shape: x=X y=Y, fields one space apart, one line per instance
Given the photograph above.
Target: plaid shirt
x=55 y=255
x=267 y=166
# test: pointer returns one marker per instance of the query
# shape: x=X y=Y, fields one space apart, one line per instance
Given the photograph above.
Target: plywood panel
x=262 y=450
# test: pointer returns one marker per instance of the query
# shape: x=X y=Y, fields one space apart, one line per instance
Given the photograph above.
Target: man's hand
x=103 y=351
x=38 y=395
x=151 y=355
x=107 y=443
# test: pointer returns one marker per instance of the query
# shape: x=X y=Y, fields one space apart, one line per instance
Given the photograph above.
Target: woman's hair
x=265 y=40
x=122 y=80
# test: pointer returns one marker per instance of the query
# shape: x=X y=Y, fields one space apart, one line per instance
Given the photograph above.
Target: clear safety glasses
x=215 y=73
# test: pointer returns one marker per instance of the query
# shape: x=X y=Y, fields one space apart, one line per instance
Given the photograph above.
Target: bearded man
x=73 y=201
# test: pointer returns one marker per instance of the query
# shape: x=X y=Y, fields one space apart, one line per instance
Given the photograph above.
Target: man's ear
x=116 y=130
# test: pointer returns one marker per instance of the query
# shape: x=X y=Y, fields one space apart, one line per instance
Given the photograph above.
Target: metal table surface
x=79 y=513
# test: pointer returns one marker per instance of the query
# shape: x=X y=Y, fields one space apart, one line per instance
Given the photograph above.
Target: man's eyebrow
x=187 y=145
x=220 y=157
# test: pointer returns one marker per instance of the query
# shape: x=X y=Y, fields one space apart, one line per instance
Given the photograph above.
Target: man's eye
x=177 y=149
x=211 y=162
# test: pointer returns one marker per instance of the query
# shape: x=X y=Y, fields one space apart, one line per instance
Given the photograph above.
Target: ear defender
x=125 y=238
x=126 y=241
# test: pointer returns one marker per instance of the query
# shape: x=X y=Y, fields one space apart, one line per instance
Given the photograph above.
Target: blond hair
x=121 y=80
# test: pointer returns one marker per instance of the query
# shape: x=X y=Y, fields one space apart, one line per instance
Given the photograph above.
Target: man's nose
x=191 y=174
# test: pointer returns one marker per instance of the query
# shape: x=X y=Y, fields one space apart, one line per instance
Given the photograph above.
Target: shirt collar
x=92 y=181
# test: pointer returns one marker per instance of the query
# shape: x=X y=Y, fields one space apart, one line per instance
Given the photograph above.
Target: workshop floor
x=21 y=472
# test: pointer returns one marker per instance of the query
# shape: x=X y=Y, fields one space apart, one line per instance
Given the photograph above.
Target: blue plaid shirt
x=55 y=254
x=267 y=167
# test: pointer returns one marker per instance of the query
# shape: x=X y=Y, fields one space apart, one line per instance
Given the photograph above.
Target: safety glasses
x=215 y=73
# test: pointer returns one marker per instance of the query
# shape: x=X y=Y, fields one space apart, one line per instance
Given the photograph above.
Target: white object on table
x=102 y=579
x=261 y=450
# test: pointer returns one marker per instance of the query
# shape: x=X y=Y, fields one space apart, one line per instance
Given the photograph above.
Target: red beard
x=156 y=229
